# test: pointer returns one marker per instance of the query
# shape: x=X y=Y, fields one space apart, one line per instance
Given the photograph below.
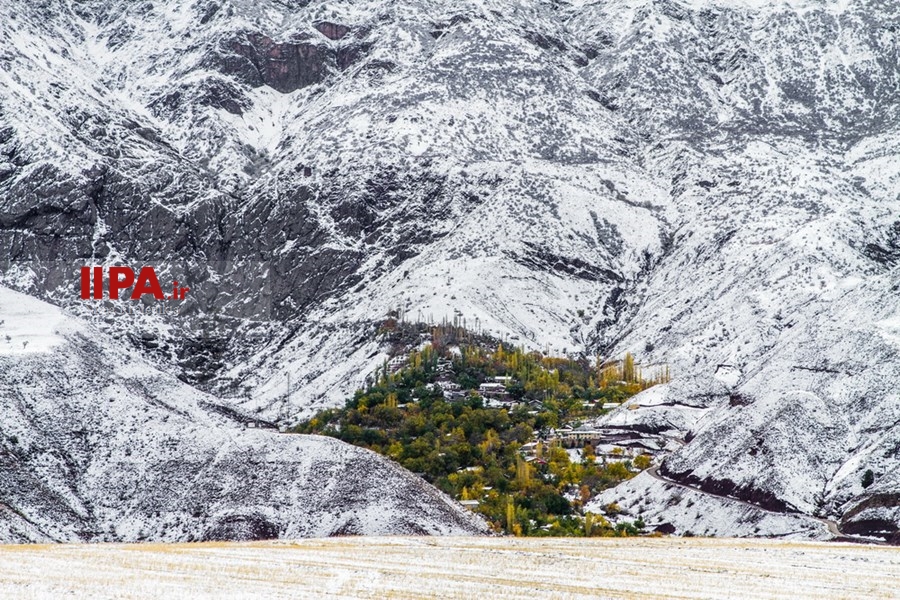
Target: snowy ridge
x=98 y=446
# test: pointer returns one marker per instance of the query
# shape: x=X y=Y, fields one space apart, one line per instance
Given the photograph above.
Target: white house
x=493 y=390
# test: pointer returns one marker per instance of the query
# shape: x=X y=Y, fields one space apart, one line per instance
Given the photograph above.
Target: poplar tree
x=523 y=473
x=628 y=368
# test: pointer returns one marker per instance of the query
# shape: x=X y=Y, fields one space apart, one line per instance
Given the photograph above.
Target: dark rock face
x=729 y=489
x=242 y=528
x=212 y=92
x=539 y=259
x=258 y=60
x=333 y=31
x=874 y=528
x=877 y=516
x=665 y=528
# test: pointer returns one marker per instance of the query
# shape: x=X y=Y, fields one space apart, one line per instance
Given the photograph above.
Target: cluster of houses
x=608 y=443
x=396 y=364
x=452 y=391
x=494 y=391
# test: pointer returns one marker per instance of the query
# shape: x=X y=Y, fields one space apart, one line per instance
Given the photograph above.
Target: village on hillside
x=510 y=433
x=612 y=443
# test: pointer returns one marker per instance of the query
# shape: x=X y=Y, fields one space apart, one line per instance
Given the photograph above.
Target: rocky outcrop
x=333 y=31
x=256 y=59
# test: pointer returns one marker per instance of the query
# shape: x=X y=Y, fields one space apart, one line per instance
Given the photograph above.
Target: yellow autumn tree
x=642 y=462
x=510 y=515
x=628 y=373
x=523 y=472
x=491 y=442
x=588 y=524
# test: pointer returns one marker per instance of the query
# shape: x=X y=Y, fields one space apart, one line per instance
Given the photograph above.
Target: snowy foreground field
x=458 y=567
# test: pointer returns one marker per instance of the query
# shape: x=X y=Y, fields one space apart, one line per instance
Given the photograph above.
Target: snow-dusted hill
x=97 y=445
x=712 y=184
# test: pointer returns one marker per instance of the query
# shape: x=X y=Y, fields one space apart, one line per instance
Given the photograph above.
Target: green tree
x=868 y=478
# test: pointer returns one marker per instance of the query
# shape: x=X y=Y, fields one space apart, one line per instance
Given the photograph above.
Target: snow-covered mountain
x=97 y=445
x=711 y=184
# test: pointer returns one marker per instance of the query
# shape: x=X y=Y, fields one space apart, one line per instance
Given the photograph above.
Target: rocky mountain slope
x=97 y=445
x=710 y=184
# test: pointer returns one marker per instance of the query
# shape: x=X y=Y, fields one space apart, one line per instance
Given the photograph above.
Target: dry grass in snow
x=455 y=568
